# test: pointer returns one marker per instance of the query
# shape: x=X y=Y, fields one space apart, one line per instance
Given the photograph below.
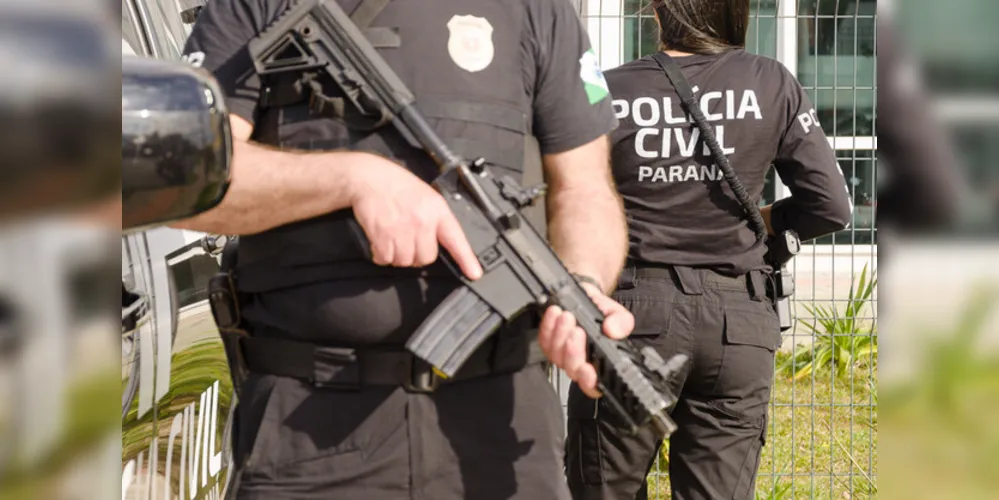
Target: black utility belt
x=692 y=281
x=351 y=369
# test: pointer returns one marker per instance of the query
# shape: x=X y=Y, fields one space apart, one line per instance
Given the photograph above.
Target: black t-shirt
x=680 y=209
x=561 y=78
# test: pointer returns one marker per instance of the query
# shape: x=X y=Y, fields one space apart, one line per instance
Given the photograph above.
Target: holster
x=223 y=298
x=780 y=251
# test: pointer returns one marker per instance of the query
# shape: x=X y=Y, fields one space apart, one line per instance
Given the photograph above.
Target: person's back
x=680 y=209
x=697 y=279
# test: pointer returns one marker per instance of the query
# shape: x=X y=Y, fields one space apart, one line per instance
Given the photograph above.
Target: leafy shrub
x=839 y=340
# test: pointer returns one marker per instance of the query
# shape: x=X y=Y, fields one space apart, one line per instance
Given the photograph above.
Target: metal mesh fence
x=822 y=426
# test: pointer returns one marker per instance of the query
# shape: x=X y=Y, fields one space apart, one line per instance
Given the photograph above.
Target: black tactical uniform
x=333 y=408
x=696 y=280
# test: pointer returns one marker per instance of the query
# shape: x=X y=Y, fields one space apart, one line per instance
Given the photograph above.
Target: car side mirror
x=176 y=145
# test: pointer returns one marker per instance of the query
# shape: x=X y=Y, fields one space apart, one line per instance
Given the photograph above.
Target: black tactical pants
x=723 y=392
x=493 y=437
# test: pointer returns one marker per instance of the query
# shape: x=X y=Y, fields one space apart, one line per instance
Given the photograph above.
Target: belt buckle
x=418 y=376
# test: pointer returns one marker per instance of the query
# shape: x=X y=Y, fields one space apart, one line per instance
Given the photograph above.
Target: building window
x=190 y=277
x=836 y=63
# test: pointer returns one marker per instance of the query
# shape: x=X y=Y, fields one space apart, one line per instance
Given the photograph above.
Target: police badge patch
x=471 y=42
x=593 y=79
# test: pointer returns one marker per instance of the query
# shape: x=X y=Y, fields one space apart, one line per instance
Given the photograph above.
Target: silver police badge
x=471 y=42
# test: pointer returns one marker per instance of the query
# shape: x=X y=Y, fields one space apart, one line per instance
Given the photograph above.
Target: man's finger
x=384 y=254
x=574 y=351
x=426 y=248
x=618 y=320
x=586 y=378
x=619 y=324
x=452 y=238
x=564 y=328
x=546 y=328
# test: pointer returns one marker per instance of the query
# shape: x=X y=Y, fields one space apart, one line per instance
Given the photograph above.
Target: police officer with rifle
x=701 y=123
x=331 y=403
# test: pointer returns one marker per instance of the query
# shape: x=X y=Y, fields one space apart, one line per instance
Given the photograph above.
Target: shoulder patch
x=470 y=43
x=593 y=79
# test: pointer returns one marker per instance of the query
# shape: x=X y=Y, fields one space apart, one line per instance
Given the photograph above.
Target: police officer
x=333 y=407
x=697 y=278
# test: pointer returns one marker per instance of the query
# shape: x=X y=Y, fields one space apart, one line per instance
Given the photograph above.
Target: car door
x=177 y=397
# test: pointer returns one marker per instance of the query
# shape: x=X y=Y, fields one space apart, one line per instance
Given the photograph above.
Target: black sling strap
x=381 y=37
x=689 y=103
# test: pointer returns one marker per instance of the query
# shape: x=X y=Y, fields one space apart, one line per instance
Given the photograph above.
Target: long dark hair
x=702 y=26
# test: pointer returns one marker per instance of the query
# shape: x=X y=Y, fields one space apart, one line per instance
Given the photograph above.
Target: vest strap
x=506 y=117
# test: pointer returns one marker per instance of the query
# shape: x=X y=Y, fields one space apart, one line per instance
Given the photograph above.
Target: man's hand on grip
x=564 y=343
x=405 y=218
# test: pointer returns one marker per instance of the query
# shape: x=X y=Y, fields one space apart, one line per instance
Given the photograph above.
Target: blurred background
x=907 y=91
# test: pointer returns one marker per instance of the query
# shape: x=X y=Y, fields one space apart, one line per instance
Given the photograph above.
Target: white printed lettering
x=691 y=173
x=675 y=173
x=640 y=142
x=749 y=104
x=708 y=96
x=620 y=108
x=687 y=148
x=636 y=108
x=720 y=136
x=668 y=113
x=644 y=172
x=808 y=120
x=660 y=175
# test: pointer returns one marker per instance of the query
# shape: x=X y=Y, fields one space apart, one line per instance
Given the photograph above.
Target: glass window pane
x=836 y=63
x=860 y=171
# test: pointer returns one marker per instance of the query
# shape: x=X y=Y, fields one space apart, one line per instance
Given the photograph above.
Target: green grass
x=821 y=440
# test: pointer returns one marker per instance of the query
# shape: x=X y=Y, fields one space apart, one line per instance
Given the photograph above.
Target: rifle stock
x=520 y=270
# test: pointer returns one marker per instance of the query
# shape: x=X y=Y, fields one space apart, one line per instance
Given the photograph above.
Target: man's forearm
x=589 y=234
x=586 y=223
x=271 y=188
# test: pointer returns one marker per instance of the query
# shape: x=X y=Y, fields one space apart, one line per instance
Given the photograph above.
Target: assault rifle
x=316 y=38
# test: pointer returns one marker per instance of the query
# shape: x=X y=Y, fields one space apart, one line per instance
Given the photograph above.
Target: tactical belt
x=351 y=369
x=689 y=280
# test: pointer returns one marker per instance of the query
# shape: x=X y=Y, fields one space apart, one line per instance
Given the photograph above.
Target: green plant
x=779 y=491
x=662 y=464
x=839 y=340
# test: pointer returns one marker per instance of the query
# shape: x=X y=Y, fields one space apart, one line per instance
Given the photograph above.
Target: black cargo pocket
x=584 y=462
x=759 y=328
x=652 y=316
x=745 y=375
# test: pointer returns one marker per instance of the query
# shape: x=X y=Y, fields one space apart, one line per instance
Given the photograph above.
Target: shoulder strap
x=689 y=103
